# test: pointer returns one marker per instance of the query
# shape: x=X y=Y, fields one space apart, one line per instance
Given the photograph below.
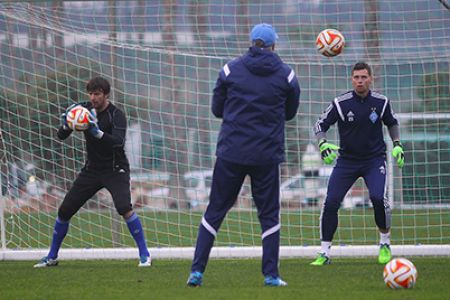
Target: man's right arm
x=328 y=118
x=63 y=133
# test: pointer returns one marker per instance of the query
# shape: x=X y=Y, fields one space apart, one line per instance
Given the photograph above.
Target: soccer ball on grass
x=400 y=273
x=78 y=118
x=330 y=42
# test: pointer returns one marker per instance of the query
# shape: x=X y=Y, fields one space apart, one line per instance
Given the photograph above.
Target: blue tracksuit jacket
x=254 y=95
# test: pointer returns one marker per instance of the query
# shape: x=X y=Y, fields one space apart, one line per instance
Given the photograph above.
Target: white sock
x=325 y=248
x=385 y=238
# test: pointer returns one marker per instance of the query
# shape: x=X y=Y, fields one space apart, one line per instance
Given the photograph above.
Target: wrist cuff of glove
x=397 y=143
x=322 y=141
x=99 y=134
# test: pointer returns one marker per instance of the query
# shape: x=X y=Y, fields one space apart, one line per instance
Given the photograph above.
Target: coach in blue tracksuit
x=360 y=115
x=254 y=95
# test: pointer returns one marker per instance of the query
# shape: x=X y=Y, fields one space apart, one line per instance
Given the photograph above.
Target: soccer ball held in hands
x=78 y=118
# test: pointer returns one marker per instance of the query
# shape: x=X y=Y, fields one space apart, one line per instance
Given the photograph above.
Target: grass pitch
x=224 y=279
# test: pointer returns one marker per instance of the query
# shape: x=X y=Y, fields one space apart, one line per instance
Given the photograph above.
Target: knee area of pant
x=123 y=211
x=331 y=206
x=64 y=214
x=377 y=201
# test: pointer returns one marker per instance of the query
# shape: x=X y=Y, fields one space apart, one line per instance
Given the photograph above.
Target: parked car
x=197 y=186
x=299 y=190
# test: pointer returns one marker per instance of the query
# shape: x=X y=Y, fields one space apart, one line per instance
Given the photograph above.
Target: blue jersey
x=254 y=95
x=360 y=123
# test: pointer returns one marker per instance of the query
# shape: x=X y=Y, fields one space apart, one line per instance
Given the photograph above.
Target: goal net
x=162 y=59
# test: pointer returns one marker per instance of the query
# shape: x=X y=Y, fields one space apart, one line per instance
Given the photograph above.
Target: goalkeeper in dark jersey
x=106 y=167
x=360 y=115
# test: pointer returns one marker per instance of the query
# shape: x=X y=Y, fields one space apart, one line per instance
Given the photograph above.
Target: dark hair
x=98 y=84
x=260 y=44
x=362 y=66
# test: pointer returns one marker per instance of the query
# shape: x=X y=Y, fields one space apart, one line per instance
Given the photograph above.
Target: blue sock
x=135 y=227
x=59 y=233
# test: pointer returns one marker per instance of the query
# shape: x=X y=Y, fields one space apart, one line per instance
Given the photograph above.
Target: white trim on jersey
x=226 y=70
x=291 y=76
x=209 y=227
x=381 y=97
x=339 y=109
x=317 y=127
x=346 y=96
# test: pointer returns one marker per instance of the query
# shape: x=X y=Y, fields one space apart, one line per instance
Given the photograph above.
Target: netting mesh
x=162 y=58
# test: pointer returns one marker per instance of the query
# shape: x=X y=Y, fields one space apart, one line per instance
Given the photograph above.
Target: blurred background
x=162 y=59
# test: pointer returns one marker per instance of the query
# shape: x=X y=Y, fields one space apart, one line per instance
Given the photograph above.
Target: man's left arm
x=391 y=122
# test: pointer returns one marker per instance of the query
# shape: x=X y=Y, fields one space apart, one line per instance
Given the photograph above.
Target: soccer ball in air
x=330 y=42
x=400 y=273
x=78 y=118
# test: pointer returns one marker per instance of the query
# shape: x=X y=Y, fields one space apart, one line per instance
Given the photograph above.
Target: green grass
x=162 y=229
x=224 y=279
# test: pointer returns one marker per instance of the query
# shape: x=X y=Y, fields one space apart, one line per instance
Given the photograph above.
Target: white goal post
x=162 y=59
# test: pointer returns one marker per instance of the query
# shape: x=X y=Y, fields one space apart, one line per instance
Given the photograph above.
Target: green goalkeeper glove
x=328 y=151
x=397 y=152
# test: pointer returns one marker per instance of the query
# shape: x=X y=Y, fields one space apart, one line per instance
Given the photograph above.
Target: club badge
x=373 y=116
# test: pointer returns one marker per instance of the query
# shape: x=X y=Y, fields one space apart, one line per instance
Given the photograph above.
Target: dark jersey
x=107 y=153
x=360 y=123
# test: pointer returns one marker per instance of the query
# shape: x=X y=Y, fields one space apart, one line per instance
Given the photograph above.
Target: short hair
x=362 y=66
x=98 y=84
x=260 y=44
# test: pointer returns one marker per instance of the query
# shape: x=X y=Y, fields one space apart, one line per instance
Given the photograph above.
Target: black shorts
x=88 y=183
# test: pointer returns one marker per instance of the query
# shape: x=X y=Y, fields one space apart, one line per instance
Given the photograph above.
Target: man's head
x=263 y=35
x=98 y=90
x=98 y=84
x=361 y=78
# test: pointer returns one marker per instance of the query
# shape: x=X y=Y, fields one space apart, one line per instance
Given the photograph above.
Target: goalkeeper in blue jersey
x=254 y=95
x=360 y=115
x=106 y=167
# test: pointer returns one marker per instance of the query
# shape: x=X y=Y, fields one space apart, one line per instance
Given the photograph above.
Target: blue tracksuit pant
x=226 y=184
x=344 y=175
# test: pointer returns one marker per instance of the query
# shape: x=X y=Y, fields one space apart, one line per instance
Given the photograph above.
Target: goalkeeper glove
x=397 y=152
x=93 y=125
x=328 y=151
x=64 y=124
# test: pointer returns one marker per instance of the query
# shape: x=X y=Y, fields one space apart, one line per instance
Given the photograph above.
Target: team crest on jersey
x=373 y=115
x=350 y=116
x=382 y=170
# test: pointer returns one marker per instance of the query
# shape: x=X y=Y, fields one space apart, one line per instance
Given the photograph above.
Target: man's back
x=254 y=95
